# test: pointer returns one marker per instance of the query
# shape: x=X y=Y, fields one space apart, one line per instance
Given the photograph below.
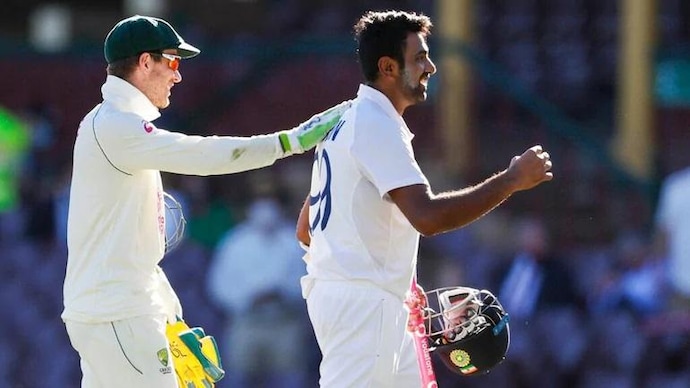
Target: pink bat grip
x=415 y=304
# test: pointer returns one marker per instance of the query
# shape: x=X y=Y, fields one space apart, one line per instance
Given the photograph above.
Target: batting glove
x=308 y=134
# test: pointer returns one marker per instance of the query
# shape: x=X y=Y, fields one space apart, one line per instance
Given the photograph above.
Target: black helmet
x=470 y=331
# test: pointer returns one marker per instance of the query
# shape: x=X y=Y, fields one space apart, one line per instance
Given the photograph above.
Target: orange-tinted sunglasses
x=173 y=60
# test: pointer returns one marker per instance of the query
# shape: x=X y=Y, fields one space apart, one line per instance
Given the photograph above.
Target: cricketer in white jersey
x=116 y=234
x=117 y=300
x=116 y=228
x=368 y=204
x=362 y=245
x=358 y=233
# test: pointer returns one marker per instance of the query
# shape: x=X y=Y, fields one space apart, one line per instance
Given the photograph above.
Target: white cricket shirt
x=358 y=233
x=116 y=223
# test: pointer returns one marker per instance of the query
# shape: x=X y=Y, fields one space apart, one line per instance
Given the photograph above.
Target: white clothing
x=363 y=250
x=520 y=290
x=357 y=232
x=116 y=222
x=128 y=353
x=673 y=217
x=257 y=260
x=361 y=330
x=254 y=278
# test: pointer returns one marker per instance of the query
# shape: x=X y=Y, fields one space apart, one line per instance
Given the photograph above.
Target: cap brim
x=186 y=50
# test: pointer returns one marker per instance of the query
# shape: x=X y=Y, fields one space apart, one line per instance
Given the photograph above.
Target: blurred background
x=593 y=267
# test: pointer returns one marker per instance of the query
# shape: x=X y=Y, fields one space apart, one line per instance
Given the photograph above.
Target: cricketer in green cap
x=138 y=34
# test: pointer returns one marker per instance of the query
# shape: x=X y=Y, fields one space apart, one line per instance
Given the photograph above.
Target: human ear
x=145 y=60
x=387 y=66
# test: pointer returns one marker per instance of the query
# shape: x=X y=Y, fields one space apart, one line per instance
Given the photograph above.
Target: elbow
x=303 y=236
x=428 y=232
x=426 y=226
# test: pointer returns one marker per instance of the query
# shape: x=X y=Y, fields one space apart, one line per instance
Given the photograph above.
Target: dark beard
x=417 y=94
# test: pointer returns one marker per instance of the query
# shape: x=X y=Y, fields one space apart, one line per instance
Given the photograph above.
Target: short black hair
x=384 y=33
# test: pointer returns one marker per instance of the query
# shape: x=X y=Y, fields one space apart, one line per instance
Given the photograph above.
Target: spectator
x=254 y=278
x=536 y=277
x=638 y=285
x=672 y=238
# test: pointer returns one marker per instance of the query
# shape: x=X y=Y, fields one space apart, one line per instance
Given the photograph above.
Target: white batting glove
x=308 y=134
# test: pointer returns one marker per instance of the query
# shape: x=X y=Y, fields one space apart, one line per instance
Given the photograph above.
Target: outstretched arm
x=431 y=213
x=132 y=146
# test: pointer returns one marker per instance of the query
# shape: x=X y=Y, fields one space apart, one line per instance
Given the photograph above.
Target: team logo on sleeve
x=148 y=127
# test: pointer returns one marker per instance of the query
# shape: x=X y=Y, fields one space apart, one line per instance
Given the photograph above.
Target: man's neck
x=396 y=100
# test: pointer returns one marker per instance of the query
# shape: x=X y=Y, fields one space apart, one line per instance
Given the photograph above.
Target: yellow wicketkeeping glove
x=195 y=356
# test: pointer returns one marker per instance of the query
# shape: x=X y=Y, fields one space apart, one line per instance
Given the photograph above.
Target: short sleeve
x=383 y=149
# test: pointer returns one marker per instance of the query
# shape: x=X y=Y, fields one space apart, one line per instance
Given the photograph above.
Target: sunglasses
x=173 y=60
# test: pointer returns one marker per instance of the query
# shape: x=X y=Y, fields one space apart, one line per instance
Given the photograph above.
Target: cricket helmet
x=175 y=223
x=468 y=329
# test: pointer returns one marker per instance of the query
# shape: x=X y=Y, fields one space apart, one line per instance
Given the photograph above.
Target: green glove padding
x=308 y=134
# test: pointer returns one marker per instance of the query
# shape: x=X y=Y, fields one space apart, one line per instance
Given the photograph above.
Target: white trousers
x=361 y=331
x=132 y=353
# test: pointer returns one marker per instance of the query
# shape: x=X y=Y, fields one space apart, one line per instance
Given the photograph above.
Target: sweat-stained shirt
x=116 y=222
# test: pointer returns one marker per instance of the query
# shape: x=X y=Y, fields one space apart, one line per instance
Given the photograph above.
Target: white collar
x=379 y=98
x=128 y=98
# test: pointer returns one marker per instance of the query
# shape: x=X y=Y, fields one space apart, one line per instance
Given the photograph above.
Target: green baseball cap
x=138 y=34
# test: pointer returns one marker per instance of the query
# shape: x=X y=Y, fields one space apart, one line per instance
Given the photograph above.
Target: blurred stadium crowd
x=573 y=262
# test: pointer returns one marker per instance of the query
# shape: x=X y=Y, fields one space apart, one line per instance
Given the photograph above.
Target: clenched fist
x=530 y=169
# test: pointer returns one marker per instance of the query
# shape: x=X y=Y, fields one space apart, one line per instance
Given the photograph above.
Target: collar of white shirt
x=128 y=98
x=366 y=91
x=385 y=104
